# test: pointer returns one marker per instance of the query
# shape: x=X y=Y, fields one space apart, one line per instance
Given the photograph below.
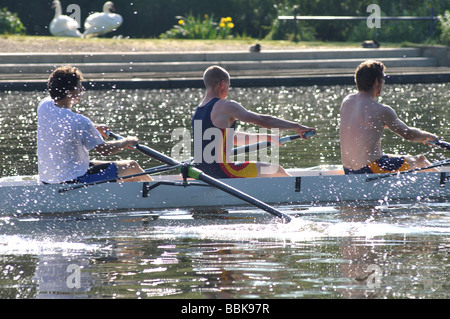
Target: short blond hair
x=214 y=75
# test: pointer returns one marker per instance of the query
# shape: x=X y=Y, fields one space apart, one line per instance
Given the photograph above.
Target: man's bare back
x=361 y=129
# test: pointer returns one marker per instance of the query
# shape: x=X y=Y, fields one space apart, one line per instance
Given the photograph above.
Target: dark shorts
x=385 y=164
x=97 y=173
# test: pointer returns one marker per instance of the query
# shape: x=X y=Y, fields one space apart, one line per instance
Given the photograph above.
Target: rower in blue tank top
x=218 y=166
x=214 y=123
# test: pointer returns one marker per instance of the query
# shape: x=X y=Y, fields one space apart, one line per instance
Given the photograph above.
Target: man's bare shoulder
x=382 y=107
x=350 y=96
x=227 y=105
x=227 y=102
x=360 y=100
x=350 y=99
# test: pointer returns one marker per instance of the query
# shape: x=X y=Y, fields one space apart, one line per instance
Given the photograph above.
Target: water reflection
x=328 y=252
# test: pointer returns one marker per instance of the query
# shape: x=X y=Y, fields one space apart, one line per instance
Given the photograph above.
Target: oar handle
x=114 y=135
x=441 y=144
x=289 y=138
x=309 y=134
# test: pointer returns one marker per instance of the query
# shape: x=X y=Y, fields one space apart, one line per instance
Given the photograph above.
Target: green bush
x=206 y=28
x=10 y=23
x=444 y=21
x=391 y=31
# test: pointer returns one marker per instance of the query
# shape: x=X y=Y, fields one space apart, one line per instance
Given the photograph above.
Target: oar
x=199 y=175
x=263 y=145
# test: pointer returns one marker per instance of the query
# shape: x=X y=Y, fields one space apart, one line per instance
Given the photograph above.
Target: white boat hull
x=28 y=196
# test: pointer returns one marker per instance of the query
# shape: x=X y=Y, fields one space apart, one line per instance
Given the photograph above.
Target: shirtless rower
x=363 y=121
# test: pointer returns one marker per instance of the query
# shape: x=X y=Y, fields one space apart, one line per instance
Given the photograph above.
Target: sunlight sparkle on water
x=323 y=252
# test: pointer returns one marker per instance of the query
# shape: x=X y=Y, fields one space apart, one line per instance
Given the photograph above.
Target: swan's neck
x=106 y=8
x=58 y=10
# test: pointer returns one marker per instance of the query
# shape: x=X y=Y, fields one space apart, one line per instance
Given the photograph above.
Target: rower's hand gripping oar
x=199 y=175
x=262 y=145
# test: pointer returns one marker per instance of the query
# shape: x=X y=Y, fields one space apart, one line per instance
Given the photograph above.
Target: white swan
x=61 y=25
x=102 y=22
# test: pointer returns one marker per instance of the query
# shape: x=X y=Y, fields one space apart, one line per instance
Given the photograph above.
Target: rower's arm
x=235 y=110
x=114 y=147
x=411 y=134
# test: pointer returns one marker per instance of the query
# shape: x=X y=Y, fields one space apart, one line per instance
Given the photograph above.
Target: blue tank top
x=202 y=116
x=203 y=113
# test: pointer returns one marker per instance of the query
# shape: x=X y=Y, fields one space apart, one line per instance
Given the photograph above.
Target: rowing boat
x=316 y=185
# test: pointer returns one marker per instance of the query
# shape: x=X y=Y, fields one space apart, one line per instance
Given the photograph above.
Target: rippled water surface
x=379 y=251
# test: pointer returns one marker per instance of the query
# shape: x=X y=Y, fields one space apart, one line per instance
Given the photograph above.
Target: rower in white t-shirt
x=64 y=138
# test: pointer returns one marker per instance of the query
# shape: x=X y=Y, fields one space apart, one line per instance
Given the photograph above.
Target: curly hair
x=63 y=80
x=367 y=73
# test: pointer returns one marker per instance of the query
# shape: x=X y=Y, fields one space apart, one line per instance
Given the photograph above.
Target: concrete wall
x=441 y=53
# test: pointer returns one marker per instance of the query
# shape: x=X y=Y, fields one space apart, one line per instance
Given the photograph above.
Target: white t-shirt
x=64 y=139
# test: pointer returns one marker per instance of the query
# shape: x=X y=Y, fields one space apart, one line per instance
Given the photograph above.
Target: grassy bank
x=41 y=44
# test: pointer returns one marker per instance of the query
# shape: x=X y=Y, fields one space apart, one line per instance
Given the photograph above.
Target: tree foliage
x=10 y=23
x=253 y=18
x=445 y=27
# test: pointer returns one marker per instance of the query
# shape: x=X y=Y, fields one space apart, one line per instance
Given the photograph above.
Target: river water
x=382 y=250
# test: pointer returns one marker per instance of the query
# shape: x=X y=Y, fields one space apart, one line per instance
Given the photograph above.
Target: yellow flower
x=180 y=22
x=226 y=23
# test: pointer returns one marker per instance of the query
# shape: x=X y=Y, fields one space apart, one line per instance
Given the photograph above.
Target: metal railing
x=351 y=18
x=296 y=17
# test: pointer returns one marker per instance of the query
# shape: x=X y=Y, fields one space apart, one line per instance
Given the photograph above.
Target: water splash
x=20 y=245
